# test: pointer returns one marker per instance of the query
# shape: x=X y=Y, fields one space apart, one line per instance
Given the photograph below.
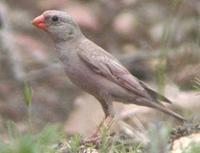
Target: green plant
x=27 y=92
x=158 y=135
x=192 y=148
x=33 y=143
x=75 y=143
x=197 y=84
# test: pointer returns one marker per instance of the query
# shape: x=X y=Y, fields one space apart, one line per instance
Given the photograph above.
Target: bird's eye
x=54 y=18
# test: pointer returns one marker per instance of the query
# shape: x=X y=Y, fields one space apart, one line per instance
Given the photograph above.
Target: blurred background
x=158 y=41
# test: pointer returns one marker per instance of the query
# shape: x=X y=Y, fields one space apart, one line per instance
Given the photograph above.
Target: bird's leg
x=108 y=110
x=106 y=123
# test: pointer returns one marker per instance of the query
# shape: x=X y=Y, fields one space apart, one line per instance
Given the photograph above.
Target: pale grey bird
x=93 y=69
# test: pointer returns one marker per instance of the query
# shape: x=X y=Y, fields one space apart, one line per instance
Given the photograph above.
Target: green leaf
x=50 y=134
x=12 y=129
x=75 y=143
x=192 y=148
x=27 y=92
x=197 y=84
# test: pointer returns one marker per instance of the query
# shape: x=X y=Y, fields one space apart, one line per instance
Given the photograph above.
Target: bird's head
x=58 y=24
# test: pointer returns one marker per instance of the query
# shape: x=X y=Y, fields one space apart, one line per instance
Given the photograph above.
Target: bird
x=95 y=70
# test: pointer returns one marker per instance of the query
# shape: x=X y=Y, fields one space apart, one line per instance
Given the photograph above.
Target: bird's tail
x=165 y=110
x=154 y=95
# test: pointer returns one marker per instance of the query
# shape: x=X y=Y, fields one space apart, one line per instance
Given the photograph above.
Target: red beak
x=39 y=22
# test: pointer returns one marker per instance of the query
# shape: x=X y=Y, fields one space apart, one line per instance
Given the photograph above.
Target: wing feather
x=106 y=65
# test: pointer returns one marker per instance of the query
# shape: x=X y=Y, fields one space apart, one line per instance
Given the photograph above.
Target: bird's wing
x=155 y=95
x=106 y=65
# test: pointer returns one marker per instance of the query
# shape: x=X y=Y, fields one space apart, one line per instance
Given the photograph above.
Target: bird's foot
x=102 y=129
x=92 y=140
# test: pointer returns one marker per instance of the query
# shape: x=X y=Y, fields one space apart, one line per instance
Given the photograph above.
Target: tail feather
x=165 y=110
x=156 y=96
